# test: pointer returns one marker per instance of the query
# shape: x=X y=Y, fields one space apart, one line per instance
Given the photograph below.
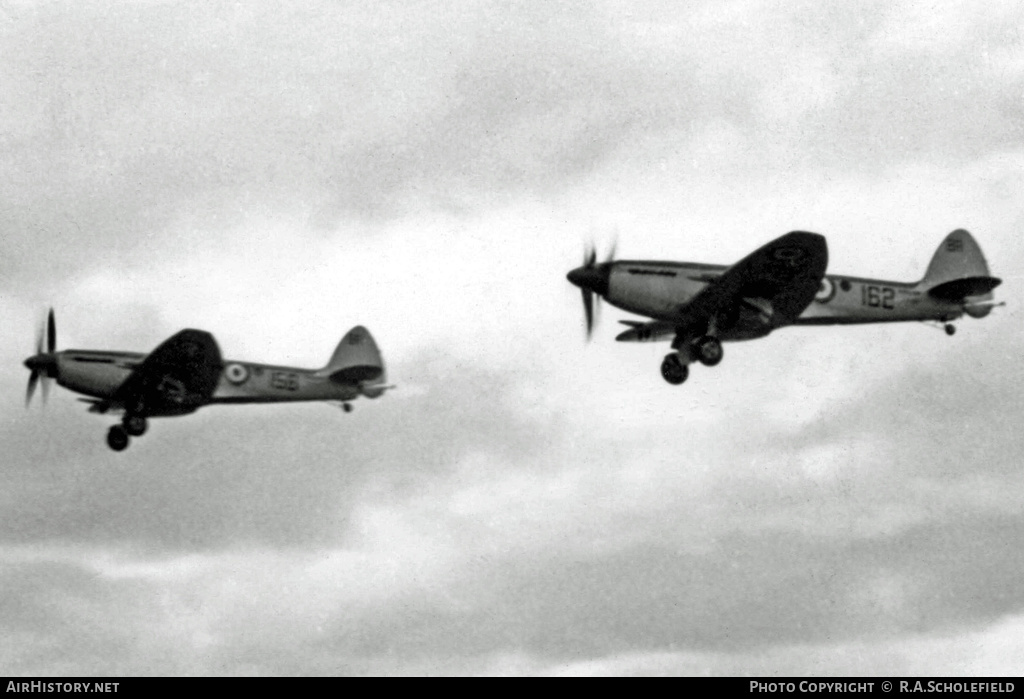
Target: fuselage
x=99 y=374
x=659 y=289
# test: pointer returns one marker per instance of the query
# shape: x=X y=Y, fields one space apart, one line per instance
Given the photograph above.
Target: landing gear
x=950 y=329
x=132 y=425
x=347 y=407
x=117 y=438
x=709 y=350
x=673 y=370
x=135 y=425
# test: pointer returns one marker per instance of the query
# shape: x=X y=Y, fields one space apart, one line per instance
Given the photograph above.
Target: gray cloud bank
x=120 y=118
x=915 y=536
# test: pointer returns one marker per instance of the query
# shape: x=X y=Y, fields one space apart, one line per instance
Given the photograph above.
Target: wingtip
x=809 y=236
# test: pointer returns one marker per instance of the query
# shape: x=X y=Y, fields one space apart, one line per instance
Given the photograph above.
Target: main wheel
x=673 y=370
x=709 y=351
x=135 y=425
x=117 y=438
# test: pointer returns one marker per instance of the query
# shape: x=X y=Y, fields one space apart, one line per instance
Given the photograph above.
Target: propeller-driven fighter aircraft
x=700 y=306
x=186 y=372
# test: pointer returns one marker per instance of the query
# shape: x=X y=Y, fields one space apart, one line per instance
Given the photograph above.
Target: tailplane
x=958 y=273
x=357 y=361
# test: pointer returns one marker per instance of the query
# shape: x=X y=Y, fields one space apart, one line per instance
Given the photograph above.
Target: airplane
x=782 y=283
x=186 y=372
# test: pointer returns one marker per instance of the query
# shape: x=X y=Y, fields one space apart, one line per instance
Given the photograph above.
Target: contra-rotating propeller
x=592 y=278
x=43 y=363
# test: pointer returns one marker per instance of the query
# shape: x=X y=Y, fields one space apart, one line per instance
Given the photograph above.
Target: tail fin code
x=958 y=269
x=356 y=359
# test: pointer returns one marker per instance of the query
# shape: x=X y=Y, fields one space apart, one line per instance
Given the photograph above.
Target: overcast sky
x=826 y=501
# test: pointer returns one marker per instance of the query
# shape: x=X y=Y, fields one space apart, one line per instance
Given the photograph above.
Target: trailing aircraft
x=186 y=372
x=700 y=306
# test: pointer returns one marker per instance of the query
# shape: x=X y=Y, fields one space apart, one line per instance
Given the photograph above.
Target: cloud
x=350 y=114
x=534 y=541
x=827 y=501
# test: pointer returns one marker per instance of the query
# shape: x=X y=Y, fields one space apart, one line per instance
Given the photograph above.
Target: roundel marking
x=826 y=292
x=236 y=373
x=788 y=255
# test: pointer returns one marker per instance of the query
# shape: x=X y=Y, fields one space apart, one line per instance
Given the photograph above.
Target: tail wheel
x=117 y=438
x=709 y=351
x=135 y=425
x=673 y=370
x=347 y=407
x=950 y=329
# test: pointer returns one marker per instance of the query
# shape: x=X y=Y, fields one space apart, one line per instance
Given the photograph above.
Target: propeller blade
x=581 y=280
x=43 y=364
x=33 y=379
x=611 y=253
x=51 y=334
x=588 y=309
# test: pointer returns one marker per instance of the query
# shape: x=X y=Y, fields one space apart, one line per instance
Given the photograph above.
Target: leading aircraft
x=187 y=372
x=700 y=306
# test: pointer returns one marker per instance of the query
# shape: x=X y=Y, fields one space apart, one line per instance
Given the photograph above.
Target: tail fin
x=958 y=271
x=356 y=360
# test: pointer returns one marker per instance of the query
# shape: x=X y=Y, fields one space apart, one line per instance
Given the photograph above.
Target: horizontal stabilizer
x=375 y=390
x=357 y=374
x=651 y=331
x=959 y=289
x=96 y=405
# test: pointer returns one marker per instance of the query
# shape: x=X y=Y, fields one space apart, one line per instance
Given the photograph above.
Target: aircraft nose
x=592 y=278
x=43 y=363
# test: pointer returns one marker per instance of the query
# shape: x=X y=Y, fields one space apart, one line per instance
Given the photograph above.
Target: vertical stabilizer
x=958 y=270
x=356 y=360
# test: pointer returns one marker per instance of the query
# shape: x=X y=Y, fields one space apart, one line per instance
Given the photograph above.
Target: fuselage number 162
x=877 y=296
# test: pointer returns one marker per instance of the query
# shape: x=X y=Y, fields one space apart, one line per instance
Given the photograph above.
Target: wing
x=176 y=378
x=779 y=279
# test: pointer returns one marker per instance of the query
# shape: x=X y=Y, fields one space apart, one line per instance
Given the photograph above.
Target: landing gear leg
x=709 y=350
x=117 y=438
x=135 y=425
x=347 y=407
x=950 y=329
x=673 y=370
